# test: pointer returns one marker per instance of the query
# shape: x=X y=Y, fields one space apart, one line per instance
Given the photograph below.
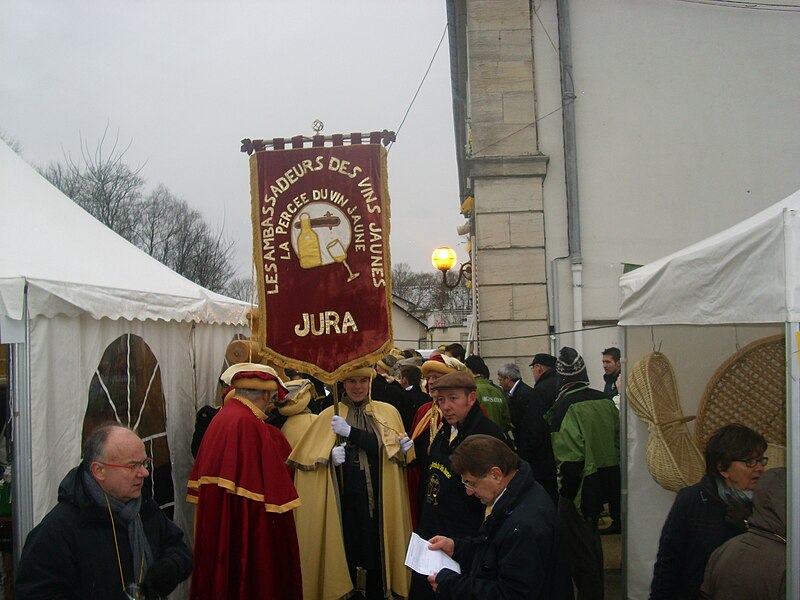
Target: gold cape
x=319 y=524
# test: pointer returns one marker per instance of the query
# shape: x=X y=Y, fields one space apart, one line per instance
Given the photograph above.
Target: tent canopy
x=747 y=273
x=73 y=264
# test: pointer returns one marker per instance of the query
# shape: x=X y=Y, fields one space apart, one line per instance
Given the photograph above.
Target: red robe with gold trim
x=245 y=543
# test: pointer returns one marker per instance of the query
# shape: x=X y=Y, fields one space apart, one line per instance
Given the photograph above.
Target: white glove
x=340 y=426
x=405 y=444
x=337 y=455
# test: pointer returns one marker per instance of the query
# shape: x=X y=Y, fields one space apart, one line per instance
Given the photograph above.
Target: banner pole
x=339 y=439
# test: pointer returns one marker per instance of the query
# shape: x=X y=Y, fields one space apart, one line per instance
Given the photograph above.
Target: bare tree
x=242 y=289
x=101 y=183
x=156 y=223
x=424 y=289
x=170 y=230
x=160 y=223
x=12 y=142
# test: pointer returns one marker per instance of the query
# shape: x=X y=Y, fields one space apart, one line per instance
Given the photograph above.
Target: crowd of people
x=510 y=480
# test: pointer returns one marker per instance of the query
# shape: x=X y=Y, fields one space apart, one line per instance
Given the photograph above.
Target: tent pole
x=22 y=470
x=623 y=459
x=793 y=461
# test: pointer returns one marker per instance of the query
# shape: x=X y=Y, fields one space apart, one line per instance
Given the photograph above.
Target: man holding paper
x=447 y=508
x=519 y=551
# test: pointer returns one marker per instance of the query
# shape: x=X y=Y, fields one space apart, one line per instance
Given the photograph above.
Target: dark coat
x=518 y=403
x=201 y=422
x=696 y=525
x=610 y=388
x=389 y=392
x=71 y=553
x=446 y=507
x=412 y=400
x=545 y=391
x=753 y=565
x=533 y=442
x=519 y=551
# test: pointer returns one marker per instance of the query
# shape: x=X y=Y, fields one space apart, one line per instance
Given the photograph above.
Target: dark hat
x=570 y=366
x=546 y=360
x=456 y=379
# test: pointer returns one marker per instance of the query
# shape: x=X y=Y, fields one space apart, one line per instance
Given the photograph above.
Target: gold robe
x=319 y=524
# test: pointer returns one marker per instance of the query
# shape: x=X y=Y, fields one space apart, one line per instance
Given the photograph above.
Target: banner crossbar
x=384 y=137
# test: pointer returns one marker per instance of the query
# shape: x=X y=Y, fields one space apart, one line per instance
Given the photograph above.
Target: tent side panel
x=695 y=353
x=65 y=353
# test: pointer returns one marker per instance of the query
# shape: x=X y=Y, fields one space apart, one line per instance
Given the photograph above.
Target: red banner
x=321 y=246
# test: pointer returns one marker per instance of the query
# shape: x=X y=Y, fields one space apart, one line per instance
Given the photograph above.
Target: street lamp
x=443 y=259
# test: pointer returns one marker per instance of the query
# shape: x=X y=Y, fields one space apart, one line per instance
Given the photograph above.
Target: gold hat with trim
x=253 y=376
x=359 y=372
x=441 y=363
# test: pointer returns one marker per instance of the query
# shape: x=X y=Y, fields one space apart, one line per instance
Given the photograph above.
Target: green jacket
x=494 y=402
x=584 y=426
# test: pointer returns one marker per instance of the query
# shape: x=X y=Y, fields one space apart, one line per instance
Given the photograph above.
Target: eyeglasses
x=470 y=485
x=147 y=463
x=751 y=463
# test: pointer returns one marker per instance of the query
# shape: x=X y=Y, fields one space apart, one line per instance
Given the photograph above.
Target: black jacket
x=610 y=388
x=518 y=403
x=71 y=553
x=533 y=441
x=201 y=422
x=519 y=551
x=697 y=524
x=412 y=400
x=391 y=393
x=446 y=507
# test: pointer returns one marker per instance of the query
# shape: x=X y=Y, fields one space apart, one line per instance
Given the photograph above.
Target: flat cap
x=456 y=379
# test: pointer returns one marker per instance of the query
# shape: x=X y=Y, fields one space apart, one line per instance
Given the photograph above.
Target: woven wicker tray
x=749 y=388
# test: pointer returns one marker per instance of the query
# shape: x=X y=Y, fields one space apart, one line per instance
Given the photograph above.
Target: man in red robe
x=245 y=543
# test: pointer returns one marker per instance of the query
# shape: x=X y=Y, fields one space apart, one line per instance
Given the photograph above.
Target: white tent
x=698 y=306
x=69 y=287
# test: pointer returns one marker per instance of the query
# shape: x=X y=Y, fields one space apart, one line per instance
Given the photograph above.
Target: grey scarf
x=126 y=513
x=731 y=495
x=739 y=504
x=357 y=417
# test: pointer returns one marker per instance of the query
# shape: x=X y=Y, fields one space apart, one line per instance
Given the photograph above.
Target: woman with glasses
x=709 y=513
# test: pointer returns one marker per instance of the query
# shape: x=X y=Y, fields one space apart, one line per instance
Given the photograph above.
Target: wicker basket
x=749 y=388
x=673 y=458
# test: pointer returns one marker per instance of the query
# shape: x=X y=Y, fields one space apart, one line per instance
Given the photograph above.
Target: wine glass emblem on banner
x=321 y=235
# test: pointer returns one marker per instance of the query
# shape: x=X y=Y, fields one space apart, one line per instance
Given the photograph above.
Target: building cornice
x=531 y=165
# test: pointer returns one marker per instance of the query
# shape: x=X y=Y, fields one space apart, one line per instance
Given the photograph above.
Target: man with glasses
x=447 y=509
x=519 y=550
x=104 y=539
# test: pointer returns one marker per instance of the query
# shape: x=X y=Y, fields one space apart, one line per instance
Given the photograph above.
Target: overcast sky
x=185 y=81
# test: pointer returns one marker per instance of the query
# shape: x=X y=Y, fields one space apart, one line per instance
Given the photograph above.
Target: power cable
x=534 y=335
x=770 y=6
x=428 y=70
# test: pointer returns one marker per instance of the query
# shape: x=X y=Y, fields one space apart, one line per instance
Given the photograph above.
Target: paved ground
x=612 y=557
x=613 y=584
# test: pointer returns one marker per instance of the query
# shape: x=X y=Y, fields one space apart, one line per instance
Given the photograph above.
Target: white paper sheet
x=427 y=562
